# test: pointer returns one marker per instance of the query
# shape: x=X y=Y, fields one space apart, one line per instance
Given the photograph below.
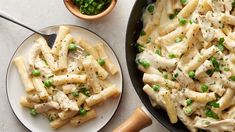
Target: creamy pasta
x=186 y=51
x=65 y=82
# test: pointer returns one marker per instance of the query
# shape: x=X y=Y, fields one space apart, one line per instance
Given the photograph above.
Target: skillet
x=132 y=33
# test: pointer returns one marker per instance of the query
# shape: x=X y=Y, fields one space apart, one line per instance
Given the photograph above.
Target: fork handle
x=14 y=20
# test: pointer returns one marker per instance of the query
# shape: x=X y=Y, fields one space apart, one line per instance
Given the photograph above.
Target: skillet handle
x=136 y=122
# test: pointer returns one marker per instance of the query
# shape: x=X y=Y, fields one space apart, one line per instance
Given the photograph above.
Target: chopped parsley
x=232 y=78
x=210 y=72
x=214 y=104
x=172 y=16
x=158 y=51
x=210 y=113
x=142 y=33
x=75 y=93
x=140 y=47
x=215 y=63
x=85 y=91
x=175 y=76
x=226 y=69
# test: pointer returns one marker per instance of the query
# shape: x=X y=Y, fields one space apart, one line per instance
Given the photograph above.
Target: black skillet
x=133 y=30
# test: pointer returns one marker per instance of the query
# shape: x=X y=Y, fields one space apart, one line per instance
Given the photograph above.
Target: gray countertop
x=43 y=13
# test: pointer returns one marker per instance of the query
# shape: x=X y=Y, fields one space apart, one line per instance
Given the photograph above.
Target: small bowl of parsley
x=90 y=9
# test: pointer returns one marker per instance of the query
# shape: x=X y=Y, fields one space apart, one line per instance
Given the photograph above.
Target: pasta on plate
x=186 y=51
x=66 y=82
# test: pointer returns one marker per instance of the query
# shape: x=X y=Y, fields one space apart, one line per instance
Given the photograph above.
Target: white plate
x=15 y=88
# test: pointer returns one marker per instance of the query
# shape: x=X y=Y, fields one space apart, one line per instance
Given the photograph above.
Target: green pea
x=232 y=78
x=204 y=88
x=101 y=62
x=33 y=112
x=48 y=83
x=171 y=55
x=36 y=73
x=221 y=44
x=82 y=112
x=178 y=39
x=156 y=87
x=220 y=47
x=187 y=110
x=183 y=1
x=191 y=74
x=72 y=47
x=150 y=8
x=182 y=21
x=189 y=102
x=144 y=63
x=226 y=69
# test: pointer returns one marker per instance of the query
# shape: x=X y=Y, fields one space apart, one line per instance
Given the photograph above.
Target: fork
x=50 y=38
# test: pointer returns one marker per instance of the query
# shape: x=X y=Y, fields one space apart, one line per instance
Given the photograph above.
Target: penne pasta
x=108 y=65
x=70 y=78
x=111 y=91
x=19 y=62
x=39 y=86
x=46 y=52
x=78 y=120
x=63 y=31
x=188 y=70
x=63 y=53
x=65 y=82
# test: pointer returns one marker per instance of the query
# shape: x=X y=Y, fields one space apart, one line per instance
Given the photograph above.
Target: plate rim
x=71 y=25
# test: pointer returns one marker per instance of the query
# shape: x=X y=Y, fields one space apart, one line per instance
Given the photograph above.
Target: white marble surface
x=43 y=13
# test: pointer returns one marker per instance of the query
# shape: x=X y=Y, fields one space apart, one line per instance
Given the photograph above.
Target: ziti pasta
x=65 y=82
x=186 y=51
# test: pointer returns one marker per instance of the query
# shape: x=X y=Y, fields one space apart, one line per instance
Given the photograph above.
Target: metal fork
x=50 y=38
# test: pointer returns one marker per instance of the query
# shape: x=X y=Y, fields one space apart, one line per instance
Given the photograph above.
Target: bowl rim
x=78 y=14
